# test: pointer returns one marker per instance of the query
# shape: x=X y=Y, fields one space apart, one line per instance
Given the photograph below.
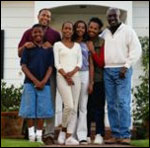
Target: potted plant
x=11 y=124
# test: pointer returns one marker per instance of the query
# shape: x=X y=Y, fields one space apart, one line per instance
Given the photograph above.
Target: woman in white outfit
x=68 y=61
x=86 y=76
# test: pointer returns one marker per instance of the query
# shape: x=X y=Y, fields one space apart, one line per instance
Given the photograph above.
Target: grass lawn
x=140 y=143
x=18 y=143
x=25 y=143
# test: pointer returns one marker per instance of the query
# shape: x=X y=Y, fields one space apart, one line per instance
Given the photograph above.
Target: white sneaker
x=89 y=140
x=71 y=141
x=39 y=136
x=39 y=139
x=98 y=139
x=31 y=133
x=61 y=138
x=32 y=138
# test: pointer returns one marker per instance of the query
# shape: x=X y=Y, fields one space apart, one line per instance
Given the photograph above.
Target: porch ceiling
x=80 y=9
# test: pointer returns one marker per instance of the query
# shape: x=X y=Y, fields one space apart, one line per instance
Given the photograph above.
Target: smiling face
x=81 y=29
x=113 y=17
x=93 y=29
x=44 y=18
x=37 y=34
x=67 y=30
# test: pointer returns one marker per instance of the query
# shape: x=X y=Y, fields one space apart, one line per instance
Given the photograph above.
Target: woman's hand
x=68 y=79
x=70 y=74
x=91 y=47
x=90 y=88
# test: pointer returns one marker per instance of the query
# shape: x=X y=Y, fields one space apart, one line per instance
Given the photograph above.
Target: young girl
x=68 y=61
x=36 y=98
x=86 y=76
x=96 y=102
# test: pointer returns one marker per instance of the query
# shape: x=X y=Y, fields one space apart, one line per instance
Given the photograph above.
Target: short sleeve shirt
x=38 y=60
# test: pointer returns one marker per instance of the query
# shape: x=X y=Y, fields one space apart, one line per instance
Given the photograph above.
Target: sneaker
x=71 y=141
x=32 y=138
x=31 y=134
x=39 y=139
x=89 y=141
x=39 y=136
x=112 y=141
x=61 y=138
x=98 y=139
x=125 y=141
x=83 y=142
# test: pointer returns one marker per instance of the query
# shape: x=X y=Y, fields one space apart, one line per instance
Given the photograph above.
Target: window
x=2 y=54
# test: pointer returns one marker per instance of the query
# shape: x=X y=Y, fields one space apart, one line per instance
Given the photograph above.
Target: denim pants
x=36 y=103
x=118 y=95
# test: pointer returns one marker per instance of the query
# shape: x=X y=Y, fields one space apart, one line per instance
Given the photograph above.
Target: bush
x=10 y=97
x=141 y=92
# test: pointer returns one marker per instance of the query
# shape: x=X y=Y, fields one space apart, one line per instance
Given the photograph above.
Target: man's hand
x=123 y=72
x=91 y=47
x=47 y=45
x=42 y=84
x=29 y=45
x=37 y=84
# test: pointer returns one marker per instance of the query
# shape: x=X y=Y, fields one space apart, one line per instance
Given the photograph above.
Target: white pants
x=70 y=98
x=83 y=100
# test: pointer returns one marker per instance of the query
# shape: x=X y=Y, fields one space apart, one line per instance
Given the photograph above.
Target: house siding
x=16 y=17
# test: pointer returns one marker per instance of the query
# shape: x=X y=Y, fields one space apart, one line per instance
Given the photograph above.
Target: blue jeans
x=36 y=103
x=118 y=95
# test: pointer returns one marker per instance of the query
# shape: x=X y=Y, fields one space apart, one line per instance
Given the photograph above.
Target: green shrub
x=141 y=94
x=10 y=97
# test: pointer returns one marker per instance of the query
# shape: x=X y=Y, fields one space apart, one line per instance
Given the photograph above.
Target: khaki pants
x=70 y=97
x=50 y=123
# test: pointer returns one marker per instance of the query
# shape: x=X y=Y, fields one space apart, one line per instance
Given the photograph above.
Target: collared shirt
x=38 y=60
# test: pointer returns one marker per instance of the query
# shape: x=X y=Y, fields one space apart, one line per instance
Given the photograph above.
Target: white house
x=18 y=16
